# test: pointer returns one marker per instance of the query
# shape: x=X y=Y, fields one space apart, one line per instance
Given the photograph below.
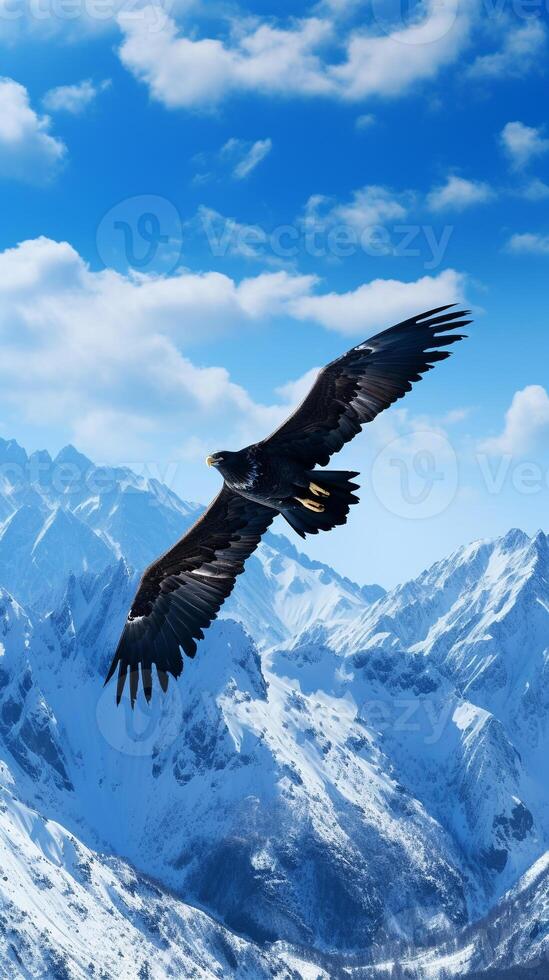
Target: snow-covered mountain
x=266 y=806
x=350 y=782
x=69 y=912
x=283 y=592
x=475 y=629
x=66 y=515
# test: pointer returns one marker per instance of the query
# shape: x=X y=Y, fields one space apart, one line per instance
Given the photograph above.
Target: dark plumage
x=182 y=592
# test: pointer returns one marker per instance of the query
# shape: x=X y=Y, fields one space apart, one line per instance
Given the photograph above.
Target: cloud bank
x=28 y=151
x=307 y=58
x=133 y=377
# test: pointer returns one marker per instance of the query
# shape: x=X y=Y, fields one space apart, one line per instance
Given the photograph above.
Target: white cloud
x=401 y=56
x=368 y=207
x=365 y=121
x=293 y=392
x=338 y=51
x=523 y=143
x=534 y=190
x=236 y=159
x=131 y=384
x=456 y=415
x=226 y=236
x=99 y=431
x=529 y=243
x=271 y=293
x=526 y=423
x=522 y=49
x=458 y=193
x=183 y=70
x=372 y=206
x=27 y=149
x=250 y=155
x=132 y=370
x=379 y=303
x=73 y=98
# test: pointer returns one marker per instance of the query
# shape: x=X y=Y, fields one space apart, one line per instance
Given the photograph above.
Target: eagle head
x=230 y=465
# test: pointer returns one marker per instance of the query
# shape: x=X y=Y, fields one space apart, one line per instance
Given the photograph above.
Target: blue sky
x=200 y=204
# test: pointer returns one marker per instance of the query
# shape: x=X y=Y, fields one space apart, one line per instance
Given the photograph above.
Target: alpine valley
x=344 y=783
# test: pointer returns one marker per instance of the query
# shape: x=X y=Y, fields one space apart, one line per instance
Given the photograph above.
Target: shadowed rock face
x=27 y=725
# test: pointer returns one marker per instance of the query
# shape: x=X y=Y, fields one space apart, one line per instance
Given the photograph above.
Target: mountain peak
x=12 y=452
x=371 y=593
x=41 y=456
x=515 y=538
x=69 y=454
x=539 y=546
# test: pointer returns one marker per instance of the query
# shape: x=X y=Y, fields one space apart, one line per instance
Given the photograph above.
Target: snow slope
x=69 y=913
x=283 y=592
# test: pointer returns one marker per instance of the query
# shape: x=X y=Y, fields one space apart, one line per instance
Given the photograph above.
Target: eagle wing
x=181 y=593
x=357 y=386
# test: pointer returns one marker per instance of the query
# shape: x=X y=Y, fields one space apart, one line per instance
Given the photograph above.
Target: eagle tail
x=324 y=503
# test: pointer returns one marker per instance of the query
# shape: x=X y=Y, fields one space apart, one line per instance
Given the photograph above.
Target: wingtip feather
x=111 y=671
x=163 y=679
x=438 y=309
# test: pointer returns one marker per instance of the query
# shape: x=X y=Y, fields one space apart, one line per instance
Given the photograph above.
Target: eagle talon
x=311 y=505
x=319 y=491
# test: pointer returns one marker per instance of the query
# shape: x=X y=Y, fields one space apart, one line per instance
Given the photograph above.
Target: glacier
x=344 y=782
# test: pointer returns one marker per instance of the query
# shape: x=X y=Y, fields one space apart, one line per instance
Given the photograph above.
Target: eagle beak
x=210 y=460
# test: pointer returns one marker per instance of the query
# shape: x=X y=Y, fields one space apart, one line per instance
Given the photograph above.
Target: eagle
x=182 y=591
